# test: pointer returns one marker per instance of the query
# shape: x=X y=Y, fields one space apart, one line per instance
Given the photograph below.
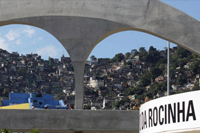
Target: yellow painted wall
x=17 y=106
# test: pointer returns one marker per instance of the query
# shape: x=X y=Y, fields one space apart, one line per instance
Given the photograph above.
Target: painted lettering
x=171 y=113
x=161 y=120
x=181 y=111
x=190 y=111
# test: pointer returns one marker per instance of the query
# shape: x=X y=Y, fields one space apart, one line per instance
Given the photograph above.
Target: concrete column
x=78 y=74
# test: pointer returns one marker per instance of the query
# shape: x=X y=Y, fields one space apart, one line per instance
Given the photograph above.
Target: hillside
x=116 y=83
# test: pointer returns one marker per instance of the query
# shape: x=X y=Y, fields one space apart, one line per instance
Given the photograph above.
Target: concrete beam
x=70 y=121
x=150 y=16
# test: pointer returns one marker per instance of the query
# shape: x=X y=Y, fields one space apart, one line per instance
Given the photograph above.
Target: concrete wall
x=151 y=16
x=70 y=120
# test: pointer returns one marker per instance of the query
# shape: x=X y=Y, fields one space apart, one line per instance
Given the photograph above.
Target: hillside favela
x=119 y=83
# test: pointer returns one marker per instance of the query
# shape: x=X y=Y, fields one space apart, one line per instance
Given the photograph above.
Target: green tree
x=121 y=102
x=125 y=100
x=196 y=86
x=182 y=61
x=5 y=131
x=195 y=66
x=151 y=93
x=134 y=52
x=153 y=55
x=181 y=80
x=118 y=57
x=158 y=87
x=142 y=50
x=161 y=64
x=155 y=72
x=145 y=79
x=182 y=53
x=34 y=131
x=194 y=57
x=127 y=55
x=180 y=58
x=93 y=57
x=134 y=91
x=141 y=97
x=143 y=54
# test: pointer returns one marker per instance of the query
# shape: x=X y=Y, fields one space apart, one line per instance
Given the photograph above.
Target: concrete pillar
x=78 y=74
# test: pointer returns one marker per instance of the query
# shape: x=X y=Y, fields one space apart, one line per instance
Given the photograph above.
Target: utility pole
x=168 y=76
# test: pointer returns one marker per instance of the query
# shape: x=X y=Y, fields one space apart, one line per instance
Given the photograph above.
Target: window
x=34 y=101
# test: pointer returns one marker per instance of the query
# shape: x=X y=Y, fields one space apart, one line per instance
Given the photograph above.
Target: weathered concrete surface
x=80 y=24
x=151 y=16
x=70 y=121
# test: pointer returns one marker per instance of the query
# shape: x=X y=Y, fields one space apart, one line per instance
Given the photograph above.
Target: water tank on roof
x=32 y=95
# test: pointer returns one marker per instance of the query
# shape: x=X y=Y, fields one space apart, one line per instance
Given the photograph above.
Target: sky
x=26 y=39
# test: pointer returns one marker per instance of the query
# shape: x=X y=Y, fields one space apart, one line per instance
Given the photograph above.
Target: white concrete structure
x=95 y=83
x=176 y=113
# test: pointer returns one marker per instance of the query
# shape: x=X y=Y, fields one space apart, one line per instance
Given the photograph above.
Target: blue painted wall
x=39 y=102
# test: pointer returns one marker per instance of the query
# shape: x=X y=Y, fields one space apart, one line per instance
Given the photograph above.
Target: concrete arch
x=152 y=16
x=80 y=25
x=77 y=35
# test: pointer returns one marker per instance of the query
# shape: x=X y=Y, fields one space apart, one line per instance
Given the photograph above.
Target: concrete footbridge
x=80 y=25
